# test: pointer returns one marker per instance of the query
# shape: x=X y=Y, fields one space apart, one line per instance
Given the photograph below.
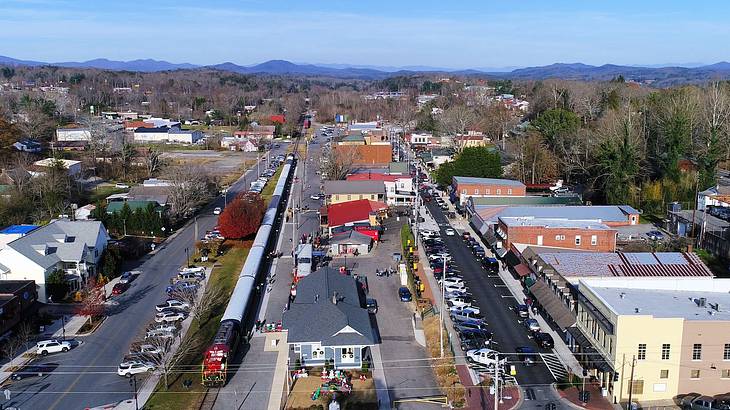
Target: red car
x=120 y=288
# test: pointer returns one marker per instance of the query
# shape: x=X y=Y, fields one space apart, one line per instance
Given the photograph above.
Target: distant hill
x=660 y=76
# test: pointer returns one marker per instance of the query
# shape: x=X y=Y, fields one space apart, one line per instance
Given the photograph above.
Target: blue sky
x=455 y=33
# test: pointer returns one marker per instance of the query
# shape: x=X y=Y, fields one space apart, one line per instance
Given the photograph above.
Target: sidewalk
x=478 y=397
x=596 y=402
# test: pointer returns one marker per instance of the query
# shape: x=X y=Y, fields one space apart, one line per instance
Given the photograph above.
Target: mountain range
x=660 y=75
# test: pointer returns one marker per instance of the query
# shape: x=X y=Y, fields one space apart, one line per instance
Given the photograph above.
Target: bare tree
x=340 y=161
x=152 y=160
x=18 y=342
x=456 y=120
x=173 y=352
x=202 y=309
x=189 y=186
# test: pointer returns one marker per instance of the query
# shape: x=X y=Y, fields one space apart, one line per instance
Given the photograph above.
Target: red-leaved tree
x=92 y=305
x=241 y=217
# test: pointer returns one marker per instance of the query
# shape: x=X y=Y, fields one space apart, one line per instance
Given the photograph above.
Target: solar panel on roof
x=641 y=258
x=671 y=258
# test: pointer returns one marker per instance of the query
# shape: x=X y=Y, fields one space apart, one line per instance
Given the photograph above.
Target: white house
x=73 y=167
x=73 y=134
x=420 y=139
x=74 y=247
x=184 y=136
x=167 y=134
x=84 y=213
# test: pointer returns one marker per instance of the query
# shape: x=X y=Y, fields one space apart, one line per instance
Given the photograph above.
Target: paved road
x=494 y=300
x=86 y=376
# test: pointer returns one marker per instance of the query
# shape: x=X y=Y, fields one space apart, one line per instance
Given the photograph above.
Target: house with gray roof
x=73 y=247
x=327 y=321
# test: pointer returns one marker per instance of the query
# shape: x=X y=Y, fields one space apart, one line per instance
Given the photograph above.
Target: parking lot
x=408 y=371
x=497 y=305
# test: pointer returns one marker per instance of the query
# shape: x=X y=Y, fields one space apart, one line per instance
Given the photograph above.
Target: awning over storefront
x=560 y=313
x=522 y=269
x=529 y=281
x=512 y=259
x=594 y=358
x=489 y=237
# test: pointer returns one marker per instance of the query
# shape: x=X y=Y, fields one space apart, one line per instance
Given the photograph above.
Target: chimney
x=702 y=302
x=316 y=298
x=622 y=295
x=334 y=298
x=637 y=310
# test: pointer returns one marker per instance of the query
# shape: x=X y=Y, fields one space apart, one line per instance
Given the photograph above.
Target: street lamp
x=133 y=383
x=187 y=256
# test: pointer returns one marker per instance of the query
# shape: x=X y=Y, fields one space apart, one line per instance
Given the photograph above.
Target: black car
x=480 y=333
x=490 y=264
x=33 y=371
x=522 y=311
x=471 y=341
x=404 y=294
x=544 y=340
x=372 y=305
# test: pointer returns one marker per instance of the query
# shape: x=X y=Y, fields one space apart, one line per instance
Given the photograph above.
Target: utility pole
x=496 y=381
x=631 y=382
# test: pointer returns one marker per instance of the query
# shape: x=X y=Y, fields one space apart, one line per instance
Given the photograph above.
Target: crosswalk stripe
x=554 y=365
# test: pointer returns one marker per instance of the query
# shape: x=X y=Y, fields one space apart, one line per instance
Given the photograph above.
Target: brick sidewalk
x=478 y=397
x=596 y=402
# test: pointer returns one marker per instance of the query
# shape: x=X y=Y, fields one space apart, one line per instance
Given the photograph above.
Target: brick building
x=465 y=187
x=557 y=233
x=377 y=154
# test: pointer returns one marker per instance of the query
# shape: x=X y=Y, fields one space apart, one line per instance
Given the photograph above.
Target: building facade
x=465 y=187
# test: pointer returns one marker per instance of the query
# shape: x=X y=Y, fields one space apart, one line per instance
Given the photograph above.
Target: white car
x=121 y=185
x=161 y=332
x=465 y=309
x=52 y=346
x=169 y=316
x=316 y=197
x=457 y=301
x=484 y=356
x=452 y=281
x=450 y=232
x=172 y=303
x=129 y=369
x=429 y=234
x=455 y=288
x=146 y=349
x=217 y=210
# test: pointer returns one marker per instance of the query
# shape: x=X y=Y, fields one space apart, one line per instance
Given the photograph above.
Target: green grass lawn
x=100 y=193
x=268 y=191
x=224 y=276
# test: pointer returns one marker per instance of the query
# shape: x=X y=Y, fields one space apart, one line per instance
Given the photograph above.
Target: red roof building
x=351 y=212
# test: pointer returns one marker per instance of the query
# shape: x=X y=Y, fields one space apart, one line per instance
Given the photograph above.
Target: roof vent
x=702 y=302
x=316 y=298
x=622 y=295
x=637 y=310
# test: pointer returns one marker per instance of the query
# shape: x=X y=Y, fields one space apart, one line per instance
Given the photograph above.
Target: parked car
x=490 y=264
x=471 y=324
x=170 y=316
x=129 y=369
x=459 y=301
x=483 y=356
x=316 y=197
x=146 y=349
x=33 y=371
x=120 y=288
x=449 y=288
x=452 y=281
x=189 y=277
x=544 y=340
x=217 y=210
x=181 y=286
x=465 y=309
x=461 y=317
x=127 y=277
x=472 y=341
x=160 y=333
x=522 y=311
x=120 y=185
x=532 y=325
x=404 y=294
x=172 y=303
x=655 y=235
x=526 y=355
x=450 y=232
x=466 y=236
x=45 y=347
x=372 y=305
x=474 y=333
